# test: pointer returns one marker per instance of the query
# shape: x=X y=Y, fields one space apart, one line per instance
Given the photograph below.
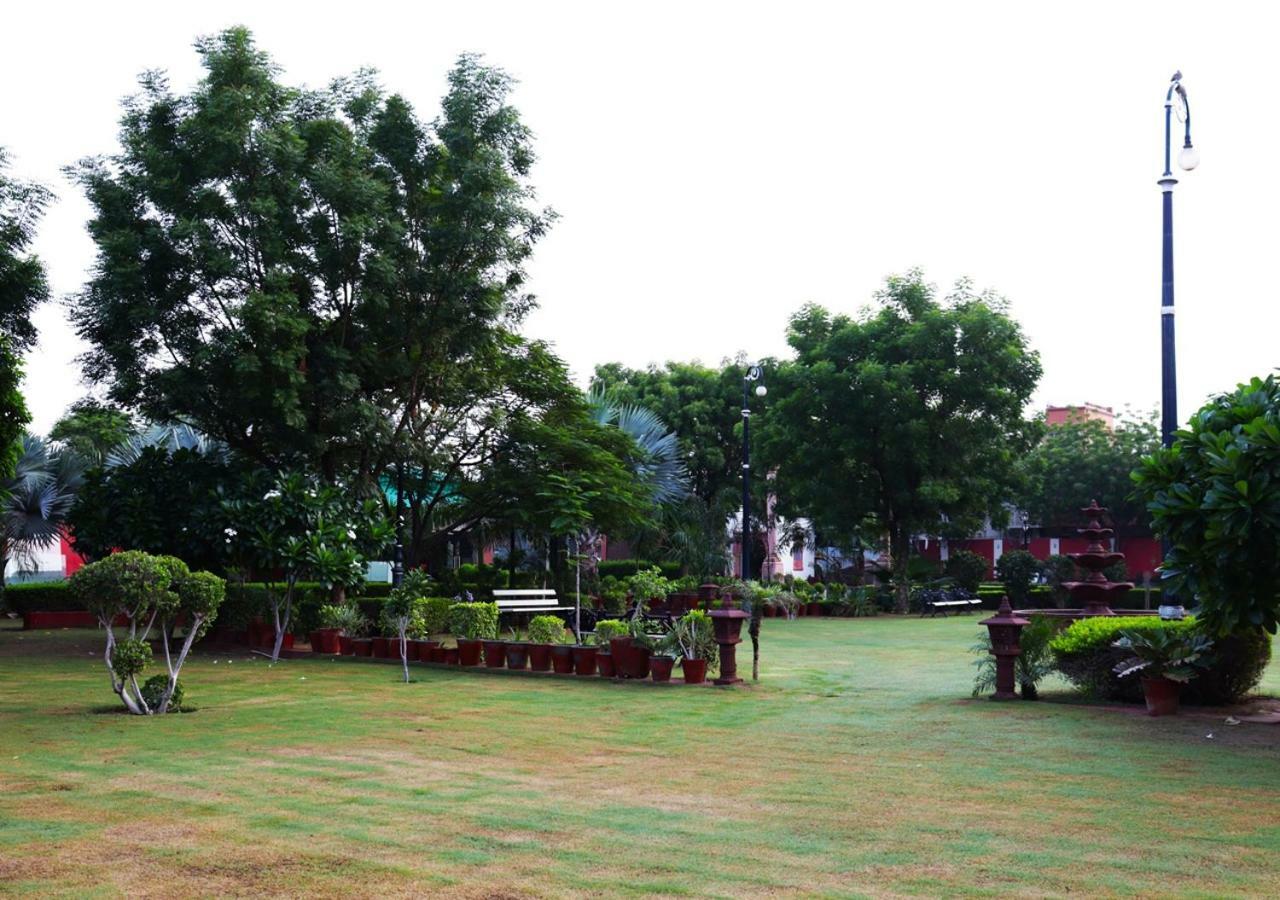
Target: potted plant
x=661 y=663
x=515 y=651
x=694 y=636
x=648 y=586
x=545 y=634
x=472 y=623
x=584 y=659
x=345 y=623
x=1167 y=660
x=612 y=636
x=613 y=596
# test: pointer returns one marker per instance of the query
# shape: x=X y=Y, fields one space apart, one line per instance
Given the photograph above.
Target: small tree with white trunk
x=152 y=594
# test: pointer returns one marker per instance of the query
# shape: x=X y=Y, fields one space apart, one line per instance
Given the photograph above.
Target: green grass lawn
x=859 y=766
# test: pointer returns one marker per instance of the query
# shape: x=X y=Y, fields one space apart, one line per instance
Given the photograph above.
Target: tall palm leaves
x=659 y=463
x=34 y=503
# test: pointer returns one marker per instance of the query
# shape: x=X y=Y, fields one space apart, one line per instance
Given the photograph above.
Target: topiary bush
x=1085 y=654
x=1016 y=571
x=967 y=569
x=548 y=630
x=607 y=629
x=153 y=692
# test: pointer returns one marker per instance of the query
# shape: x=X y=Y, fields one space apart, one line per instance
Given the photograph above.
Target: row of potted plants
x=620 y=649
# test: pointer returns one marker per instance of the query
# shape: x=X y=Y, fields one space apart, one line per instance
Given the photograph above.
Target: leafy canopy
x=1215 y=497
x=911 y=413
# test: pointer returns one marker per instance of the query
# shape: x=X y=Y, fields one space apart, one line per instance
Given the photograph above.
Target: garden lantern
x=1006 y=630
x=727 y=623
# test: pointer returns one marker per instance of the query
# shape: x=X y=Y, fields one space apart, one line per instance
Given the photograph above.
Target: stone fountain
x=1096 y=594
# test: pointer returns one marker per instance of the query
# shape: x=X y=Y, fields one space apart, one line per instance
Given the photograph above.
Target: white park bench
x=530 y=601
x=933 y=607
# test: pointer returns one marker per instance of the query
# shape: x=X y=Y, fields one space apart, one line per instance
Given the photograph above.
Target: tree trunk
x=900 y=550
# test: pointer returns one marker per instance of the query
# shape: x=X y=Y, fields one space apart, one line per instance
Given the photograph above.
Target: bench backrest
x=522 y=599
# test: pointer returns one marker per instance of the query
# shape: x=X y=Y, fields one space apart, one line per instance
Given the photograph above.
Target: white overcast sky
x=717 y=165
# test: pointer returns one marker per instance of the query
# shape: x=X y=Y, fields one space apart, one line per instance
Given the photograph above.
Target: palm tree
x=660 y=466
x=34 y=503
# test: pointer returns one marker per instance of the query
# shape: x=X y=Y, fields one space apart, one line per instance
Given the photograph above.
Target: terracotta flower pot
x=346 y=645
x=331 y=640
x=661 y=666
x=314 y=640
x=425 y=649
x=539 y=657
x=561 y=658
x=362 y=646
x=604 y=664
x=453 y=656
x=381 y=648
x=517 y=655
x=469 y=652
x=1162 y=696
x=620 y=650
x=695 y=670
x=495 y=654
x=815 y=609
x=437 y=653
x=584 y=660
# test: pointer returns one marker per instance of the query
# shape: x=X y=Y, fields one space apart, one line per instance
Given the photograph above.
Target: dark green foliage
x=1086 y=655
x=910 y=414
x=1084 y=460
x=1177 y=656
x=1058 y=570
x=14 y=415
x=920 y=569
x=153 y=690
x=163 y=502
x=92 y=430
x=1016 y=570
x=50 y=596
x=130 y=657
x=1215 y=496
x=23 y=283
x=625 y=568
x=967 y=569
x=435 y=614
x=35 y=501
x=318 y=265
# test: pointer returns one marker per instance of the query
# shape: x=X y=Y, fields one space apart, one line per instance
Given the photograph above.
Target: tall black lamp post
x=727 y=622
x=1175 y=104
x=754 y=374
x=397 y=563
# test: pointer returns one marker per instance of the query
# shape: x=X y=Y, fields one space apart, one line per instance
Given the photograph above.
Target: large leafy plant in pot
x=1166 y=660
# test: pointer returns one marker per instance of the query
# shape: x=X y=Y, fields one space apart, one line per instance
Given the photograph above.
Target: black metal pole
x=397 y=565
x=746 y=480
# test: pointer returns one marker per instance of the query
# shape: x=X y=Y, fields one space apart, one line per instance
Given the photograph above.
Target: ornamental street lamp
x=754 y=373
x=727 y=622
x=1175 y=103
x=397 y=565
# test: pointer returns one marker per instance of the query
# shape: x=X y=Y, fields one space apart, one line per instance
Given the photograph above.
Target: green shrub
x=41 y=596
x=153 y=692
x=967 y=569
x=548 y=630
x=921 y=569
x=606 y=629
x=346 y=617
x=614 y=595
x=474 y=621
x=1086 y=655
x=1059 y=570
x=625 y=568
x=130 y=657
x=1016 y=570
x=435 y=614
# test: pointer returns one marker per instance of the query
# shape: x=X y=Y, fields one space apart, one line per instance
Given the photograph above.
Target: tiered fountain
x=1095 y=595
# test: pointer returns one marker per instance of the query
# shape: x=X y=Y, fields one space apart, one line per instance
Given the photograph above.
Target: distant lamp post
x=397 y=563
x=728 y=622
x=1175 y=104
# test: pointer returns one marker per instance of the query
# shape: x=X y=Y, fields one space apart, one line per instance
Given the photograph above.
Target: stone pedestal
x=1006 y=631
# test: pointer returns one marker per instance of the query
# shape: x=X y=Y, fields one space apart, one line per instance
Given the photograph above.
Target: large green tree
x=297 y=272
x=911 y=412
x=23 y=286
x=1215 y=497
x=1083 y=460
x=93 y=429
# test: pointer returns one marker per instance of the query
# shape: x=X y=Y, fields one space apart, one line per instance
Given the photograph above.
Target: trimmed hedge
x=1085 y=655
x=40 y=596
x=477 y=621
x=625 y=568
